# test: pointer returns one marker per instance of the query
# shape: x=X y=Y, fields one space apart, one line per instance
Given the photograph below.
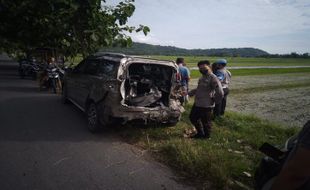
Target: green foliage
x=217 y=163
x=69 y=26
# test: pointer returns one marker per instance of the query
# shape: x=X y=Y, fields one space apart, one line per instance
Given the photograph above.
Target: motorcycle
x=51 y=79
x=271 y=165
x=28 y=68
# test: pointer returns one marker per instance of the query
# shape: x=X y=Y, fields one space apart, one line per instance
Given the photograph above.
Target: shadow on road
x=43 y=118
x=22 y=89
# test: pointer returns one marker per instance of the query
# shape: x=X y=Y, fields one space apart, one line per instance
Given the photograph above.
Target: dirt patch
x=243 y=82
x=288 y=106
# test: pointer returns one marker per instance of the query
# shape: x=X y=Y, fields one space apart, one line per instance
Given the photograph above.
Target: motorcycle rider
x=295 y=173
x=44 y=76
x=224 y=76
x=208 y=91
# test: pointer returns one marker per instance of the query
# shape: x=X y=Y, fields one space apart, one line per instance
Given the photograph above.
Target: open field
x=242 y=61
x=283 y=98
x=232 y=61
x=248 y=72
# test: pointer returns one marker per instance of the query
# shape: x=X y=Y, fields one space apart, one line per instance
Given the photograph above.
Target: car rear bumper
x=158 y=114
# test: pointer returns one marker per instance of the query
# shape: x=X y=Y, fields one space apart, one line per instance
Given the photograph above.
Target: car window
x=92 y=67
x=80 y=67
x=108 y=68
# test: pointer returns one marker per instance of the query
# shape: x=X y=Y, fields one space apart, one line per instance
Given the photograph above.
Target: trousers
x=220 y=107
x=201 y=118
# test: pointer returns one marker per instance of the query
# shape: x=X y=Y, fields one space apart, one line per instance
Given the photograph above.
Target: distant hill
x=148 y=49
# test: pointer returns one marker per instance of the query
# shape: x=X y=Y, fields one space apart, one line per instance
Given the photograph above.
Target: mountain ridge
x=138 y=48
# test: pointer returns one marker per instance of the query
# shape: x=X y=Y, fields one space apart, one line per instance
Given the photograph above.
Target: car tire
x=93 y=118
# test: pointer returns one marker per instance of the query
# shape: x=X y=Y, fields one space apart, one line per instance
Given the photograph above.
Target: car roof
x=118 y=57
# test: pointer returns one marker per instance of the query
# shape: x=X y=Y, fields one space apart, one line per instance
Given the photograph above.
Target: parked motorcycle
x=28 y=68
x=271 y=165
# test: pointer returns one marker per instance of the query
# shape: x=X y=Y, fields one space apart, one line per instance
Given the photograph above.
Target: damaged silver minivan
x=112 y=88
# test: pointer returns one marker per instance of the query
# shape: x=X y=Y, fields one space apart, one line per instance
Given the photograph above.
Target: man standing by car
x=225 y=77
x=208 y=91
x=185 y=77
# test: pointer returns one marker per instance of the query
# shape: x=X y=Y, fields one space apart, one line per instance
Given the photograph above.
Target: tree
x=70 y=26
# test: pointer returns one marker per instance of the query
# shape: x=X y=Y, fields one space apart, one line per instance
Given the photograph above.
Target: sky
x=276 y=26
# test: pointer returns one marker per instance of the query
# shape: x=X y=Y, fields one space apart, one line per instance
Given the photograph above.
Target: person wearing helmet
x=224 y=77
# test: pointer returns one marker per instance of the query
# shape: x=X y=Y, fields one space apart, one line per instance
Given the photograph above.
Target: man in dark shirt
x=185 y=77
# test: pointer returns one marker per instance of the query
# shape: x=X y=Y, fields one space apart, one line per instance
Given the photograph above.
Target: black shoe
x=198 y=136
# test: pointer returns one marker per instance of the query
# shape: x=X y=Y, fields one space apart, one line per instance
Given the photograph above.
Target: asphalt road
x=46 y=145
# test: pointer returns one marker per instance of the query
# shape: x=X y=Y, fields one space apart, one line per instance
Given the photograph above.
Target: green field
x=219 y=162
x=242 y=61
x=232 y=61
x=247 y=72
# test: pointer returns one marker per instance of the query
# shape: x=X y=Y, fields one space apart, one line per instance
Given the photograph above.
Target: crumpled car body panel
x=142 y=89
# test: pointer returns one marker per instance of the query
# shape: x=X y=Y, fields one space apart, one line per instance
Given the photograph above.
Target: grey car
x=112 y=88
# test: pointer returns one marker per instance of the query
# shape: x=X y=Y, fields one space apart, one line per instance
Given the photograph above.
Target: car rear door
x=72 y=79
x=86 y=81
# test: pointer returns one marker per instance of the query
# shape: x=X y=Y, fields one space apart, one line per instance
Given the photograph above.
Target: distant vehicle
x=115 y=87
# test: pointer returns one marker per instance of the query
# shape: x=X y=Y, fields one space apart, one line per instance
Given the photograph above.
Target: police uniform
x=208 y=91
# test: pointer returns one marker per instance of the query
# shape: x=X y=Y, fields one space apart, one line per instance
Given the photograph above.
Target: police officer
x=225 y=77
x=208 y=91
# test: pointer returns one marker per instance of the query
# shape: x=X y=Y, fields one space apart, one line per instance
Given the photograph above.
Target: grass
x=242 y=61
x=217 y=163
x=232 y=61
x=248 y=72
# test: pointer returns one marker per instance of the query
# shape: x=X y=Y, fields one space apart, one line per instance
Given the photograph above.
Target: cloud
x=150 y=39
x=221 y=23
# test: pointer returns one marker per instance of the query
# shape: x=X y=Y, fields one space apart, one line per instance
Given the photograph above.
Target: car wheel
x=93 y=118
